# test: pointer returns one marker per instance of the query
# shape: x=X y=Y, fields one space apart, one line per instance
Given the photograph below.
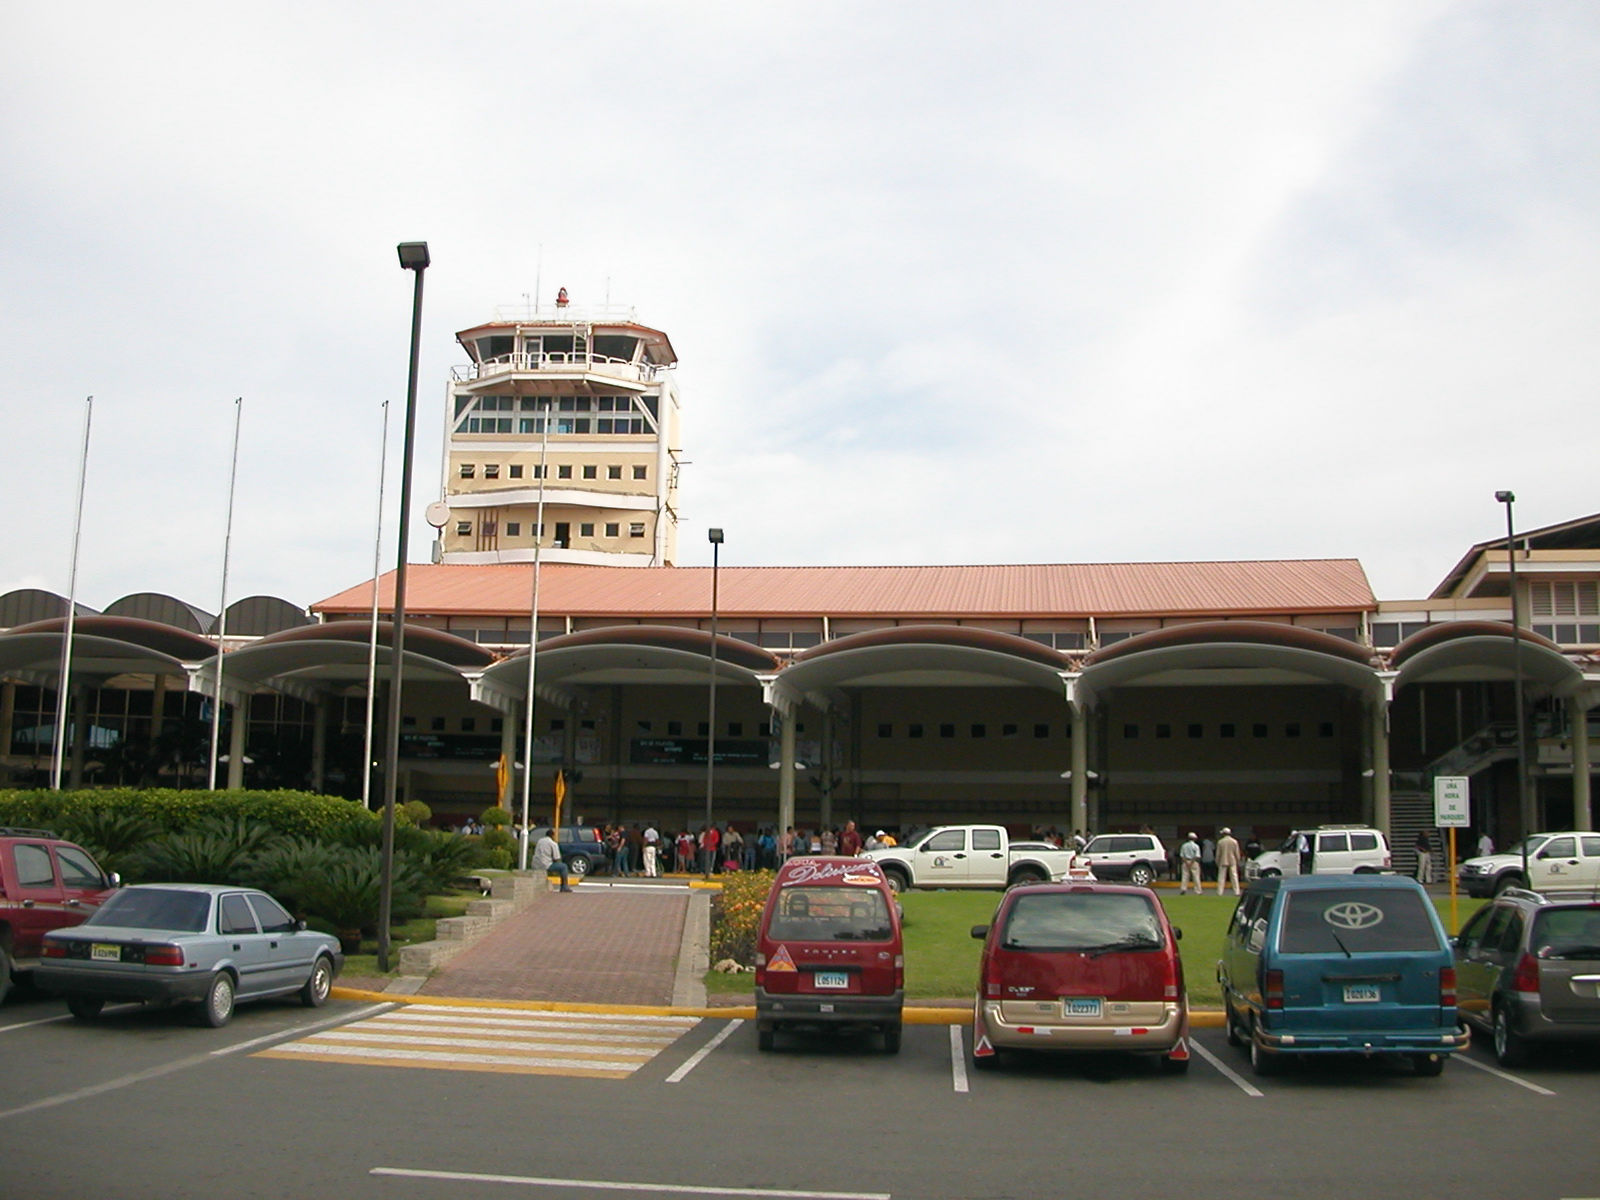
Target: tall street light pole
x=1525 y=813
x=715 y=537
x=413 y=257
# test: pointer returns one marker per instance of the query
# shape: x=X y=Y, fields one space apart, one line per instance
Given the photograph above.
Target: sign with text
x=1451 y=804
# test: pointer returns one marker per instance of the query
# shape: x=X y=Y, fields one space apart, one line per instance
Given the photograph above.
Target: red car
x=1080 y=966
x=45 y=884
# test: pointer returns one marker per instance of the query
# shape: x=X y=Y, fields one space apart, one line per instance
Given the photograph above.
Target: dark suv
x=1528 y=971
x=45 y=884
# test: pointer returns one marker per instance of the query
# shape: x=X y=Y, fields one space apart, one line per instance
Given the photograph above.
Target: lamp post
x=1525 y=812
x=413 y=257
x=715 y=538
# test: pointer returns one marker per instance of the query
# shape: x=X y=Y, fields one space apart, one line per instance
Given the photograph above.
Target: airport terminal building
x=1261 y=695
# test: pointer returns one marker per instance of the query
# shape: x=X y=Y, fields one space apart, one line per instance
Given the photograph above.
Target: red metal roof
x=1038 y=590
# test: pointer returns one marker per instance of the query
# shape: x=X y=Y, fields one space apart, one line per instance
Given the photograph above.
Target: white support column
x=1578 y=717
x=1380 y=766
x=786 y=775
x=1080 y=769
x=236 y=739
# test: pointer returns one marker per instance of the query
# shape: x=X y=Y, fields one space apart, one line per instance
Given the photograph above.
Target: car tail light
x=761 y=969
x=162 y=955
x=1447 y=987
x=1526 y=976
x=899 y=971
x=53 y=949
x=1169 y=977
x=992 y=987
x=1272 y=989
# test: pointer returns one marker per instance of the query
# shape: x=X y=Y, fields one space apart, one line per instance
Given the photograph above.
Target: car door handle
x=236 y=947
x=958 y=855
x=274 y=945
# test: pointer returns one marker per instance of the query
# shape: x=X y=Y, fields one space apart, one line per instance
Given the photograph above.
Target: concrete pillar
x=1080 y=768
x=8 y=716
x=825 y=802
x=1380 y=767
x=80 y=734
x=236 y=739
x=786 y=754
x=319 y=744
x=1578 y=718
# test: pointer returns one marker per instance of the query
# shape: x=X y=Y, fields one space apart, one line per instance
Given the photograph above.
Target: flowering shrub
x=736 y=915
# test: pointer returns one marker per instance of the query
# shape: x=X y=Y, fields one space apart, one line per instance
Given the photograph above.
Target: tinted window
x=1561 y=847
x=1591 y=846
x=154 y=908
x=950 y=839
x=1567 y=933
x=78 y=869
x=1511 y=936
x=1329 y=842
x=271 y=914
x=1363 y=841
x=825 y=914
x=1356 y=920
x=235 y=915
x=1472 y=932
x=33 y=867
x=1082 y=921
x=986 y=839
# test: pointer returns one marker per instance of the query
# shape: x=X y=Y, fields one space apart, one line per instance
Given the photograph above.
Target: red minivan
x=829 y=953
x=1080 y=966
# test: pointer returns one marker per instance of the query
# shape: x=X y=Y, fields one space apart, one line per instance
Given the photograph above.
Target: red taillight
x=1447 y=987
x=1169 y=977
x=1272 y=989
x=991 y=976
x=53 y=949
x=163 y=956
x=899 y=972
x=1526 y=976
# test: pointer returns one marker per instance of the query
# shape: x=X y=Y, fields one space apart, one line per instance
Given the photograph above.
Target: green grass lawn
x=942 y=956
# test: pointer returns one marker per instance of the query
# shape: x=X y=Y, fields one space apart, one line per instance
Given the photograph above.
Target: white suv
x=1136 y=857
x=1335 y=850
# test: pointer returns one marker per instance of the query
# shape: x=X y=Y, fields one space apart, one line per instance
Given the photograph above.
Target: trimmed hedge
x=294 y=814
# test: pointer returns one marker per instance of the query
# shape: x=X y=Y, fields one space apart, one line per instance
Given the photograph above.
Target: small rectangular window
x=1258 y=730
x=1163 y=731
x=612 y=529
x=914 y=730
x=516 y=470
x=513 y=528
x=705 y=729
x=589 y=471
x=491 y=470
x=463 y=528
x=947 y=730
x=586 y=529
x=1292 y=729
x=436 y=724
x=469 y=724
x=1227 y=729
x=1008 y=731
x=1130 y=732
x=735 y=728
x=468 y=470
x=674 y=728
x=641 y=472
x=980 y=731
x=1325 y=729
x=1197 y=730
x=614 y=472
x=564 y=471
x=886 y=731
x=636 y=529
x=1041 y=730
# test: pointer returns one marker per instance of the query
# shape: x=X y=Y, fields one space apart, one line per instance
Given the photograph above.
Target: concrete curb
x=1199 y=1018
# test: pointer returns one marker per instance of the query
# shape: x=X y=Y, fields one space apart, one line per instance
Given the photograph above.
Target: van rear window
x=830 y=914
x=1082 y=921
x=1356 y=921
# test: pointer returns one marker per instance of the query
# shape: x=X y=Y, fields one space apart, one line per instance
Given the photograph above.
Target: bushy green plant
x=216 y=850
x=494 y=816
x=499 y=858
x=297 y=814
x=348 y=889
x=446 y=858
x=111 y=835
x=414 y=812
x=736 y=915
x=288 y=867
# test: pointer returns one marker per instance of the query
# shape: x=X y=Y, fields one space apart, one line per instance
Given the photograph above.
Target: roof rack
x=19 y=831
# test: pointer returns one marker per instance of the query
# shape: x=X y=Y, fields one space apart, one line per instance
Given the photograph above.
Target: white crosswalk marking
x=597 y=1046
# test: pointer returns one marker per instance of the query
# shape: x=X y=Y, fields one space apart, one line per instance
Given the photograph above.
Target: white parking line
x=298 y=1030
x=31 y=1024
x=617 y=1185
x=1506 y=1075
x=1228 y=1072
x=958 y=1060
x=699 y=1055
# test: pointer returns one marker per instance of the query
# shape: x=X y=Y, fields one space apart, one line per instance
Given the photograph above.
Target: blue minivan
x=1339 y=964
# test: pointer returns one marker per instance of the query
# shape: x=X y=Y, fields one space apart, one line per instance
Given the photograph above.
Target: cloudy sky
x=949 y=283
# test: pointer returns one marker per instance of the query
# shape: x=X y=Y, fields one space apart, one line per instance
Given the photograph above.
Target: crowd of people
x=645 y=851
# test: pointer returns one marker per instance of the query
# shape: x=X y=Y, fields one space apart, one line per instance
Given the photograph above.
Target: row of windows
x=558 y=425
x=977 y=730
x=560 y=404
x=491 y=527
x=1228 y=729
x=563 y=471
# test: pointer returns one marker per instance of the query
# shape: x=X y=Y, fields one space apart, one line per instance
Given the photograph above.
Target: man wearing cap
x=1227 y=861
x=1189 y=866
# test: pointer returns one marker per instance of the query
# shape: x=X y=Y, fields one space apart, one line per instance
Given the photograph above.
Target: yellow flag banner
x=561 y=795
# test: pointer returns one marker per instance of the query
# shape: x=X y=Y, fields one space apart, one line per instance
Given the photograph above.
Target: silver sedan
x=198 y=943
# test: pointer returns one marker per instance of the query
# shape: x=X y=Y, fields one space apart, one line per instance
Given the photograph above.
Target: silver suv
x=1136 y=857
x=1528 y=971
x=1330 y=849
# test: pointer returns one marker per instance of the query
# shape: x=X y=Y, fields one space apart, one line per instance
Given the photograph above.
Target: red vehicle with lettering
x=829 y=954
x=45 y=884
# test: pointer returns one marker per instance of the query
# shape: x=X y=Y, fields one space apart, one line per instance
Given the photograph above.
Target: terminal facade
x=1259 y=695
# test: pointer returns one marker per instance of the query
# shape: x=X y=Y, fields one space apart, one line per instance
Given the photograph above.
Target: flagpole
x=65 y=673
x=222 y=609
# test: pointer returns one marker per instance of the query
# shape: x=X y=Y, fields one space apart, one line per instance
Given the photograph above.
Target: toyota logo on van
x=1353 y=915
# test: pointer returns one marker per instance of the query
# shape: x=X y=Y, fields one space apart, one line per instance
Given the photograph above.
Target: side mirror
x=980 y=931
x=1177 y=934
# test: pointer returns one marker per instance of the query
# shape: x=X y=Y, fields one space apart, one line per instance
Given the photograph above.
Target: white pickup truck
x=970 y=856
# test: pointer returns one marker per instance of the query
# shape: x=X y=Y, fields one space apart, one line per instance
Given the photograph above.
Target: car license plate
x=1361 y=993
x=1081 y=1006
x=831 y=979
x=105 y=952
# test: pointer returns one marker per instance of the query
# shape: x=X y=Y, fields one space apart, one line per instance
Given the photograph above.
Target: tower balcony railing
x=557 y=362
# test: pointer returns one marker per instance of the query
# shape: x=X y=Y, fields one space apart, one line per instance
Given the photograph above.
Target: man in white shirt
x=547 y=859
x=652 y=845
x=1485 y=844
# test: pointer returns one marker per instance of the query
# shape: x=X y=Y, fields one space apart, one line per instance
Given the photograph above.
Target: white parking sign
x=1450 y=802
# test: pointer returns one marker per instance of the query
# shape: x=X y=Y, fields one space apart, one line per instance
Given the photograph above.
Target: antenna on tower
x=538 y=269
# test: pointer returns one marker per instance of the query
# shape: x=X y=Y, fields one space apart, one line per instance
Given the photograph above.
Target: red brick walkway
x=600 y=946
